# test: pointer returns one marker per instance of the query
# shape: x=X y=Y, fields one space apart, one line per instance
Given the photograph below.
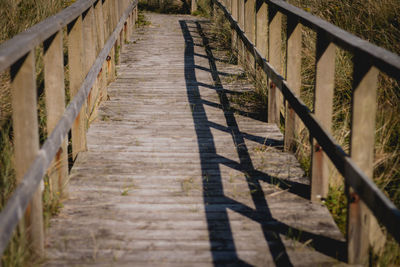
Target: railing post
x=241 y=47
x=193 y=6
x=26 y=139
x=293 y=72
x=324 y=86
x=76 y=76
x=101 y=40
x=118 y=44
x=261 y=36
x=275 y=54
x=250 y=30
x=55 y=106
x=363 y=229
x=110 y=28
x=234 y=13
x=89 y=48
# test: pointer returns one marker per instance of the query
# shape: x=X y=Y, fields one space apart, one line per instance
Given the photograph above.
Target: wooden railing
x=256 y=33
x=95 y=31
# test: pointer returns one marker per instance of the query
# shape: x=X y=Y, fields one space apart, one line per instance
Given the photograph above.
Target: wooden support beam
x=250 y=31
x=55 y=106
x=193 y=6
x=26 y=140
x=275 y=57
x=293 y=72
x=234 y=12
x=363 y=229
x=241 y=18
x=76 y=69
x=261 y=36
x=324 y=87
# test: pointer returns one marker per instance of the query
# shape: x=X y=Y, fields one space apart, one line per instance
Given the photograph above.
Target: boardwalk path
x=170 y=178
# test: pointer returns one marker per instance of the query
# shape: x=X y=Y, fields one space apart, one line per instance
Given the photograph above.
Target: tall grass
x=17 y=16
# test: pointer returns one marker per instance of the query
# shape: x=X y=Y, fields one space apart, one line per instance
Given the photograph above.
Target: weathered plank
x=172 y=185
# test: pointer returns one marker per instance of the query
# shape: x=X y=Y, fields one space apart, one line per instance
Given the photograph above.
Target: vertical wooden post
x=101 y=41
x=250 y=30
x=261 y=39
x=111 y=59
x=275 y=55
x=90 y=54
x=293 y=72
x=26 y=139
x=324 y=86
x=55 y=106
x=241 y=15
x=76 y=76
x=363 y=229
x=234 y=13
x=193 y=7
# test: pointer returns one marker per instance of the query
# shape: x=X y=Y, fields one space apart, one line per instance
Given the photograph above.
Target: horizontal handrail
x=385 y=60
x=15 y=207
x=380 y=205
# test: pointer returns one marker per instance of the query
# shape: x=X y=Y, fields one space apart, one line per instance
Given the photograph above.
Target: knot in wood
x=318 y=148
x=354 y=198
x=108 y=58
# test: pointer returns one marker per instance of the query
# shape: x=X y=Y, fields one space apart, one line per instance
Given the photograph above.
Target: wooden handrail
x=18 y=54
x=356 y=170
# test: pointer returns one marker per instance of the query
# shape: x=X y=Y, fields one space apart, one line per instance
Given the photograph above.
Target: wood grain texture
x=293 y=73
x=55 y=106
x=172 y=178
x=275 y=59
x=364 y=230
x=323 y=108
x=26 y=139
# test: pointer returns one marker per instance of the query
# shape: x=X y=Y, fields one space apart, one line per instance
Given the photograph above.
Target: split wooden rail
x=256 y=33
x=95 y=31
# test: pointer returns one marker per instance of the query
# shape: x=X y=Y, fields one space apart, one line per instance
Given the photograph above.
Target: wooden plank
x=275 y=57
x=26 y=140
x=293 y=72
x=55 y=106
x=222 y=227
x=363 y=229
x=323 y=105
x=76 y=58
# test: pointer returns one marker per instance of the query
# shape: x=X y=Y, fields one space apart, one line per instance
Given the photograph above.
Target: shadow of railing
x=216 y=204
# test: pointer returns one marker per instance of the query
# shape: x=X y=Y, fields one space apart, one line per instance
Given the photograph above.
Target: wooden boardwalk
x=176 y=175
